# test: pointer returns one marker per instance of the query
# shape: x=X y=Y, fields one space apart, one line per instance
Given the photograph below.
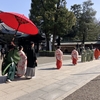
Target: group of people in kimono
x=18 y=63
x=59 y=57
x=89 y=54
x=86 y=55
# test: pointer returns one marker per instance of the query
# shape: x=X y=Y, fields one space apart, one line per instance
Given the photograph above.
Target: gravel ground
x=90 y=91
x=43 y=60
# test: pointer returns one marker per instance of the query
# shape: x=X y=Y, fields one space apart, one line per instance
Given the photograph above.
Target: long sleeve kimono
x=22 y=64
x=83 y=55
x=74 y=56
x=58 y=55
x=88 y=56
x=31 y=63
x=92 y=54
x=9 y=63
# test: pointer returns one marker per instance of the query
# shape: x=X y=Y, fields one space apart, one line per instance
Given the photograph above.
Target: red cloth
x=74 y=61
x=96 y=53
x=19 y=22
x=58 y=54
x=74 y=55
x=58 y=64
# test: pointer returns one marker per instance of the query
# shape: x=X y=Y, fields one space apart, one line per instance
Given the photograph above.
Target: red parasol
x=19 y=22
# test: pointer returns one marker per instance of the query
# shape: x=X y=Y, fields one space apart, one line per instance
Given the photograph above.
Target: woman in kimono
x=74 y=56
x=22 y=64
x=9 y=63
x=88 y=56
x=96 y=53
x=58 y=55
x=83 y=55
x=92 y=53
x=31 y=61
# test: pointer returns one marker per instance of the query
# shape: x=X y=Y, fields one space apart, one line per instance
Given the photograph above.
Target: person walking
x=88 y=56
x=31 y=61
x=9 y=63
x=83 y=55
x=58 y=55
x=74 y=56
x=96 y=53
x=92 y=53
x=22 y=64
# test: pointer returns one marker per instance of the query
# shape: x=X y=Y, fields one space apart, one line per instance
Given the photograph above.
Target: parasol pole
x=12 y=42
x=15 y=33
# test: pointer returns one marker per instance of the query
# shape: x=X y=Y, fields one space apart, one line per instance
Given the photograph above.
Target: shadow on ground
x=67 y=64
x=20 y=79
x=87 y=73
x=48 y=69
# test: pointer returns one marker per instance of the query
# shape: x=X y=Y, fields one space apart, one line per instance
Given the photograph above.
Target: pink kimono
x=22 y=64
x=58 y=54
x=74 y=56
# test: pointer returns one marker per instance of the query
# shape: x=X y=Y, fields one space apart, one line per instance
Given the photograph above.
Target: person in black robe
x=31 y=61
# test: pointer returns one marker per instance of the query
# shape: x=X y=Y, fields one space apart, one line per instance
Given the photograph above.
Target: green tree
x=52 y=17
x=94 y=32
x=85 y=15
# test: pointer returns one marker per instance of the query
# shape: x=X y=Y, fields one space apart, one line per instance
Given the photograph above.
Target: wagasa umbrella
x=19 y=22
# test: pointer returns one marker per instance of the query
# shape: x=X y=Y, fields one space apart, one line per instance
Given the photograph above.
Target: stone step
x=2 y=78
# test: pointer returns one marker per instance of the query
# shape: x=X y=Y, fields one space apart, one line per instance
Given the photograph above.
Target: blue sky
x=96 y=5
x=23 y=6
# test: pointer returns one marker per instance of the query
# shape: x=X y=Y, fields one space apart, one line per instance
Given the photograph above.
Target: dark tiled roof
x=7 y=30
x=7 y=33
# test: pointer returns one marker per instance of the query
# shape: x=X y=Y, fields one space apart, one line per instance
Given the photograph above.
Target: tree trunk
x=58 y=43
x=47 y=42
x=55 y=29
x=53 y=42
x=84 y=38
